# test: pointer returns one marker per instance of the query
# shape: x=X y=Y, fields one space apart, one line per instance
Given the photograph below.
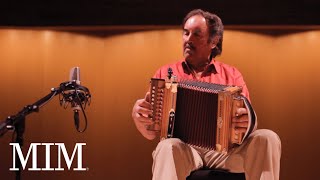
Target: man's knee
x=267 y=137
x=170 y=142
x=168 y=145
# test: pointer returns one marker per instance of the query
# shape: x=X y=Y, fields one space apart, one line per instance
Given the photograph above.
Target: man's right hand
x=140 y=115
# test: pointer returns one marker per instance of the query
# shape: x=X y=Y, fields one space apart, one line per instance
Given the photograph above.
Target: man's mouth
x=189 y=47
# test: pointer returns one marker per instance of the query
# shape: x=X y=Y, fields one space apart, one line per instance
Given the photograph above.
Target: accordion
x=198 y=113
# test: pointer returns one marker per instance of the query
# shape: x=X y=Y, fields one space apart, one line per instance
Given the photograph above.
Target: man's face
x=196 y=47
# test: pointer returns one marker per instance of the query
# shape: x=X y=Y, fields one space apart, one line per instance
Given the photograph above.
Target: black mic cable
x=76 y=114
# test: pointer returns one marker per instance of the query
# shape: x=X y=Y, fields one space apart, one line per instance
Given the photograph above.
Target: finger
x=242 y=118
x=147 y=97
x=145 y=120
x=241 y=125
x=241 y=111
x=240 y=130
x=154 y=133
x=142 y=110
x=145 y=104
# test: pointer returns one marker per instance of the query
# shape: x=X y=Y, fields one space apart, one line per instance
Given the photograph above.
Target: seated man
x=258 y=156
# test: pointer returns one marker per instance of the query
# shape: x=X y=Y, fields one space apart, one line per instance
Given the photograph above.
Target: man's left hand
x=240 y=120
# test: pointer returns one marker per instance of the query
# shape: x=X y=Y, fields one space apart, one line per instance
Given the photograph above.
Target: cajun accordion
x=198 y=113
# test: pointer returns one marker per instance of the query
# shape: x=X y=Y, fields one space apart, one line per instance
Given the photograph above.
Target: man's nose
x=189 y=38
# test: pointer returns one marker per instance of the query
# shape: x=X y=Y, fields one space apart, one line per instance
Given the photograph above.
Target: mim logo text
x=16 y=149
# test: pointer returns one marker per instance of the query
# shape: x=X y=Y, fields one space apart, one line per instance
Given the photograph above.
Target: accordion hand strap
x=252 y=117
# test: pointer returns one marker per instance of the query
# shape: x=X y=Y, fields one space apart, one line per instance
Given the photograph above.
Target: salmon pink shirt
x=215 y=72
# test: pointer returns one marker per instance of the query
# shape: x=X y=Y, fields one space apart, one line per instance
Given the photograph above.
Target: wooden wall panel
x=281 y=72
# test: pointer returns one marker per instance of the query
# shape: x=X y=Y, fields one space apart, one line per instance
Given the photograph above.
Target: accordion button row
x=157 y=94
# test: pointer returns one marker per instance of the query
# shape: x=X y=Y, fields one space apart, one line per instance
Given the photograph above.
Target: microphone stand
x=17 y=122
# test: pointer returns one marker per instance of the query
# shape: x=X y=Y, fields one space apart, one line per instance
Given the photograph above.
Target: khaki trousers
x=258 y=157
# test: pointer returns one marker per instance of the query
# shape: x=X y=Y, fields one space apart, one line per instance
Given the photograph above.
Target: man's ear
x=214 y=41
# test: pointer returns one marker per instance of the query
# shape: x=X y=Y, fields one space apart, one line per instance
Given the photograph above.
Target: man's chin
x=188 y=59
x=187 y=55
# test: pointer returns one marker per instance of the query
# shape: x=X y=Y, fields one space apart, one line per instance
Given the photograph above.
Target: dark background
x=150 y=12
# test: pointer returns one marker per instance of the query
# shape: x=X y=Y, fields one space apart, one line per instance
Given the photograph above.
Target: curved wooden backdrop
x=281 y=70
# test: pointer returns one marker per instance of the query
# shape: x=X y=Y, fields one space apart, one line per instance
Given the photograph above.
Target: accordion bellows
x=198 y=113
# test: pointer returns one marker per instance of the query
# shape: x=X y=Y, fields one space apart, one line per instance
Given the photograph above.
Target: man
x=258 y=156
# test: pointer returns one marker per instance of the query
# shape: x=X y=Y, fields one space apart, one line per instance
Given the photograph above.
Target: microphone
x=75 y=77
x=76 y=95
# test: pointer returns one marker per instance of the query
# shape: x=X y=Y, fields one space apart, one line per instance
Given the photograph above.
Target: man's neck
x=198 y=67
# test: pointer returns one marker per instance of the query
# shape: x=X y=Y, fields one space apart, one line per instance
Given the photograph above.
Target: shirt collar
x=210 y=68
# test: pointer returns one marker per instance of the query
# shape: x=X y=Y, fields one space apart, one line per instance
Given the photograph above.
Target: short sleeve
x=239 y=81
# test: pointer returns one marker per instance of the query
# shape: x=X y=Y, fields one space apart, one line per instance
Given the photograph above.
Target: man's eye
x=196 y=35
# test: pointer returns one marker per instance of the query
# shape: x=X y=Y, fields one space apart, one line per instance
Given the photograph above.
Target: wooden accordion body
x=198 y=113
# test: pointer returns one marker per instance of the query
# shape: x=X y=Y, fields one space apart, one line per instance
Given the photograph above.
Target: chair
x=215 y=174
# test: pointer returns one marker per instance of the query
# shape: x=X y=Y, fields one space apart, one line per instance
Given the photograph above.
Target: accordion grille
x=196 y=115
